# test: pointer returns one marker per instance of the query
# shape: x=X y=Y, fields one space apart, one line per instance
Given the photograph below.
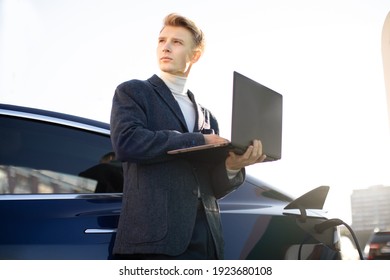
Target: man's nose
x=166 y=47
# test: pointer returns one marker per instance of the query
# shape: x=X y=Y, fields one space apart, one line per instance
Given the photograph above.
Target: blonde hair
x=181 y=21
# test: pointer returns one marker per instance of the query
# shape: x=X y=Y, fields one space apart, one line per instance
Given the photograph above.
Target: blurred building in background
x=371 y=208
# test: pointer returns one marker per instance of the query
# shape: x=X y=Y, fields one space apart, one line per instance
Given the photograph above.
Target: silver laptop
x=257 y=113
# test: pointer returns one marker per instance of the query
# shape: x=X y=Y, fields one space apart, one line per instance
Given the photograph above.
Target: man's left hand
x=253 y=154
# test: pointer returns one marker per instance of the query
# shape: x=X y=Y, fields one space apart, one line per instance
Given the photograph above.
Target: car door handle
x=99 y=230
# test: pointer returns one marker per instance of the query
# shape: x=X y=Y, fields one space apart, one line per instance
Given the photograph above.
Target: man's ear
x=196 y=55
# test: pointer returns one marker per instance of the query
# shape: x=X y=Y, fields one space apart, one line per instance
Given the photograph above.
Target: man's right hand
x=214 y=139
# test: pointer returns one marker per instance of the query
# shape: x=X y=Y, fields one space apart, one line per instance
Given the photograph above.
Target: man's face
x=175 y=52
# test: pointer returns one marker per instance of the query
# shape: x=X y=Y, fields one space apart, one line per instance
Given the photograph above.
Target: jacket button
x=195 y=192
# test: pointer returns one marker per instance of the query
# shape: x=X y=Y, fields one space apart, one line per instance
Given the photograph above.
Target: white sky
x=323 y=56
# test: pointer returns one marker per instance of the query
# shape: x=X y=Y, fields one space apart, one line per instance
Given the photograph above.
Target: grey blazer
x=161 y=191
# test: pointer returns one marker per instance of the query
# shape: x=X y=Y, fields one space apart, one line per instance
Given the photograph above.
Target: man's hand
x=253 y=154
x=214 y=139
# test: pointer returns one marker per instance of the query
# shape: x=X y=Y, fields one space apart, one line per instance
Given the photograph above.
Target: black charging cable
x=320 y=228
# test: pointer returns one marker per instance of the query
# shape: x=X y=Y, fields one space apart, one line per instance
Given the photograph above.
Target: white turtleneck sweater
x=178 y=87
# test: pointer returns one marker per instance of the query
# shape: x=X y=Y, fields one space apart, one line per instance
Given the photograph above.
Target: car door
x=49 y=204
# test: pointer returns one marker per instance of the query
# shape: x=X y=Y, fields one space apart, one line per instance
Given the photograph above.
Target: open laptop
x=257 y=113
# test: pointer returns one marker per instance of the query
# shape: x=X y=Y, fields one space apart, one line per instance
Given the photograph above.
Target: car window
x=65 y=150
x=22 y=180
x=381 y=237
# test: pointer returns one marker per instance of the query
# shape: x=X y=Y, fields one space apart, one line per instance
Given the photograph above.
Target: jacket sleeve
x=133 y=136
x=222 y=185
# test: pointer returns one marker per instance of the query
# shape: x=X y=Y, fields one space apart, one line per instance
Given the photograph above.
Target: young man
x=170 y=208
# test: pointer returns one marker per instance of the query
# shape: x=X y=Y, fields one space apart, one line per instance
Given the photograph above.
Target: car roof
x=380 y=236
x=54 y=117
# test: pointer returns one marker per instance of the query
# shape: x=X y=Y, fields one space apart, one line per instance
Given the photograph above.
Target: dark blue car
x=60 y=198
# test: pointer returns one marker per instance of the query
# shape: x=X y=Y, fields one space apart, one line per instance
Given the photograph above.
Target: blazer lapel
x=164 y=92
